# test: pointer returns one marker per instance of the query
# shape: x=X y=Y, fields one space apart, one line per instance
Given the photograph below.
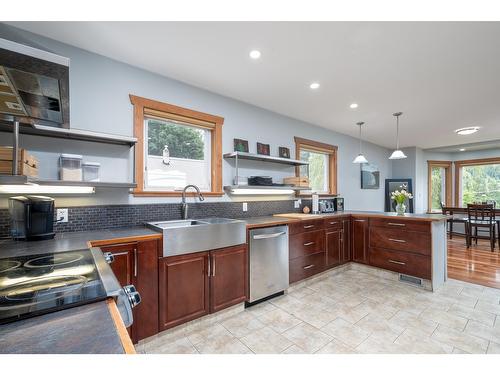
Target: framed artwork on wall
x=284 y=152
x=263 y=149
x=370 y=176
x=393 y=184
x=240 y=145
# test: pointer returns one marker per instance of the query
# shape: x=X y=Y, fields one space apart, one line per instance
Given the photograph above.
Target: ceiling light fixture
x=314 y=85
x=360 y=159
x=397 y=154
x=462 y=149
x=255 y=54
x=353 y=106
x=467 y=131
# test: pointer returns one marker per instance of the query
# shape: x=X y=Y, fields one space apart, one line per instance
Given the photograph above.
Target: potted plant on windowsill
x=400 y=197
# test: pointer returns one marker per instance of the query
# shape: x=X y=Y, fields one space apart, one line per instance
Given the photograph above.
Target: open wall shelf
x=21 y=180
x=270 y=159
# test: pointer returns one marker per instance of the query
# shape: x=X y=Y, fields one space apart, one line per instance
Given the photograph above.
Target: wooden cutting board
x=300 y=216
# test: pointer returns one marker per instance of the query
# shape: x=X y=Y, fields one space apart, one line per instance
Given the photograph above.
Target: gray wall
x=99 y=92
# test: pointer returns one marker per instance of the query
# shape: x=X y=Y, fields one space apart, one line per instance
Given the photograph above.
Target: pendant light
x=360 y=159
x=397 y=154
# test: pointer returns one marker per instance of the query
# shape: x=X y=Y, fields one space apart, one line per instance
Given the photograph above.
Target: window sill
x=175 y=194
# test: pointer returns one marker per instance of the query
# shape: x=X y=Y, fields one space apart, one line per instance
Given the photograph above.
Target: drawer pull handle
x=396 y=240
x=333 y=222
x=309 y=243
x=397 y=224
x=360 y=220
x=397 y=262
x=308 y=226
x=309 y=266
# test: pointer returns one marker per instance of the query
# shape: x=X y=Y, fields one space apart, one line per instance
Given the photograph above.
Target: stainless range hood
x=34 y=86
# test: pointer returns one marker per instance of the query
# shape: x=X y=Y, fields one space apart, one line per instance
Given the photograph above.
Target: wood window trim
x=331 y=150
x=467 y=163
x=140 y=105
x=447 y=175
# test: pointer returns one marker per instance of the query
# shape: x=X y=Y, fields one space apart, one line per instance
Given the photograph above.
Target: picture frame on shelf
x=284 y=152
x=263 y=149
x=240 y=145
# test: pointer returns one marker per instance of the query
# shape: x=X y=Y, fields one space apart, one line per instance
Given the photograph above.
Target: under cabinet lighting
x=251 y=191
x=45 y=189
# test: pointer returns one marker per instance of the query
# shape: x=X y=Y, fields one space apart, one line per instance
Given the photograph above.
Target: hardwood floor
x=476 y=265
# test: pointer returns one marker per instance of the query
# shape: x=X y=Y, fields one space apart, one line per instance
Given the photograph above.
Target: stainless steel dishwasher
x=268 y=262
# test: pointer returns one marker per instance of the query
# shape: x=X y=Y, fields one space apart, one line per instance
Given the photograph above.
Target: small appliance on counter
x=329 y=205
x=37 y=284
x=32 y=217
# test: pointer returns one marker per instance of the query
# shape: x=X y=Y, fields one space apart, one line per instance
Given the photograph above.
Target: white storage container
x=70 y=167
x=91 y=171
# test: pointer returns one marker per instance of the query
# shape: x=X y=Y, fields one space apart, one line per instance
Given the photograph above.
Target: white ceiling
x=442 y=75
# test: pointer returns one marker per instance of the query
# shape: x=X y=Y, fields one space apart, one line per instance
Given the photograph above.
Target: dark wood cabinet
x=183 y=288
x=197 y=284
x=346 y=240
x=137 y=263
x=334 y=248
x=229 y=277
x=359 y=240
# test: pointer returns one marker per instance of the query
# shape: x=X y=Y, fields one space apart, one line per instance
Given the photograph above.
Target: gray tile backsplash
x=105 y=217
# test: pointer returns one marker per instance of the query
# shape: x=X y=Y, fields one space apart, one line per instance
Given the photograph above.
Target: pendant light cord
x=397 y=114
x=360 y=124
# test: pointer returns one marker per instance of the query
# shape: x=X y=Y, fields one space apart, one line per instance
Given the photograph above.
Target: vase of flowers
x=401 y=197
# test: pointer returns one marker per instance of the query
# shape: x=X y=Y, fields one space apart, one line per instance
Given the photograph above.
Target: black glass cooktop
x=38 y=284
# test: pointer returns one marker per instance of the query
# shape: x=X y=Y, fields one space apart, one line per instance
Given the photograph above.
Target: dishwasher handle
x=266 y=236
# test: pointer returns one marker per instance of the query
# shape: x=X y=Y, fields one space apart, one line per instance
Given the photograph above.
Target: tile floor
x=358 y=310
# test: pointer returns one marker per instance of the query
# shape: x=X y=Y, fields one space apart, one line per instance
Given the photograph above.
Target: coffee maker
x=31 y=217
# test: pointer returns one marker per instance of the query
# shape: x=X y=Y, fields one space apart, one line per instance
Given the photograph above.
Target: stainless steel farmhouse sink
x=191 y=236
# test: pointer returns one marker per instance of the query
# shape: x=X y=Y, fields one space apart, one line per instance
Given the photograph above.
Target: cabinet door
x=333 y=247
x=229 y=277
x=359 y=242
x=183 y=288
x=346 y=241
x=146 y=313
x=124 y=264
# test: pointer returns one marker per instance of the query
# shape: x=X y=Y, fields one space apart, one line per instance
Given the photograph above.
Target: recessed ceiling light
x=462 y=149
x=255 y=54
x=353 y=106
x=467 y=131
x=314 y=85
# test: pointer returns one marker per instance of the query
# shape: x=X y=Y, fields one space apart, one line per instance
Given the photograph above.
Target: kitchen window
x=176 y=147
x=439 y=185
x=322 y=169
x=477 y=181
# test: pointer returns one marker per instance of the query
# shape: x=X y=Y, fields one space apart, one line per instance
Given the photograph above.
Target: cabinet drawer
x=303 y=267
x=413 y=225
x=402 y=262
x=305 y=226
x=397 y=239
x=333 y=223
x=306 y=243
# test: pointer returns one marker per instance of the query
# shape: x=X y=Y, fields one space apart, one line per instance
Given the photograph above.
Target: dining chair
x=481 y=224
x=451 y=218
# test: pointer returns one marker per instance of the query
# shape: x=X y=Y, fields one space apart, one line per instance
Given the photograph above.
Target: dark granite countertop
x=376 y=214
x=87 y=329
x=69 y=241
x=266 y=221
